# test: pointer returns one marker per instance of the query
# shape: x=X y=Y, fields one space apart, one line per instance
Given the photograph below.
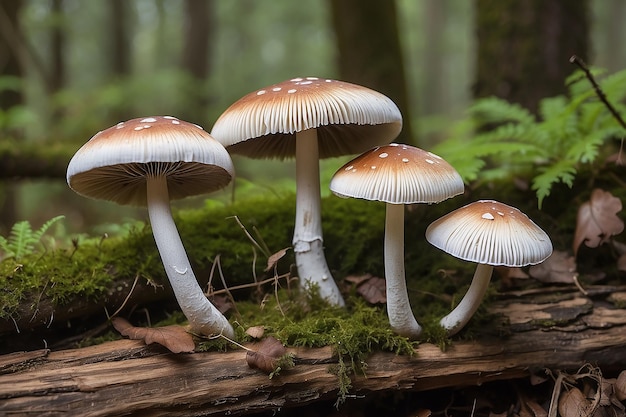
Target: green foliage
x=23 y=239
x=503 y=140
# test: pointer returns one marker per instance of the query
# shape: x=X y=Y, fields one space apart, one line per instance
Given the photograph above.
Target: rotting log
x=557 y=329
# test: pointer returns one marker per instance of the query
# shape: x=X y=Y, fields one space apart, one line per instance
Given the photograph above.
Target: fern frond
x=22 y=239
x=496 y=110
x=562 y=171
x=44 y=228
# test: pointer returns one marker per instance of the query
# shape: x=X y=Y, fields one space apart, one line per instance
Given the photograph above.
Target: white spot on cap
x=349 y=168
x=405 y=159
x=260 y=92
x=373 y=167
x=293 y=90
x=170 y=117
x=500 y=213
x=295 y=80
x=138 y=128
x=430 y=161
x=434 y=156
x=393 y=144
x=175 y=122
x=148 y=120
x=487 y=216
x=276 y=88
x=312 y=78
x=119 y=125
x=383 y=155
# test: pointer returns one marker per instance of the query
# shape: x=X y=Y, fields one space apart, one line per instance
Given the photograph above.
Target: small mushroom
x=149 y=161
x=309 y=118
x=397 y=175
x=491 y=234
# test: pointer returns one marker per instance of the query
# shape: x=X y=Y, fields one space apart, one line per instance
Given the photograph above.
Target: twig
x=228 y=293
x=249 y=236
x=127 y=297
x=583 y=66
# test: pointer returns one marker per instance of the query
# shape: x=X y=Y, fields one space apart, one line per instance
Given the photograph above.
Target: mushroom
x=148 y=161
x=491 y=234
x=397 y=175
x=310 y=118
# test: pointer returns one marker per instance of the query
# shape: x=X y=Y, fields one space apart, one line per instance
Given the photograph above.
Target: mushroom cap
x=397 y=174
x=114 y=163
x=349 y=119
x=492 y=233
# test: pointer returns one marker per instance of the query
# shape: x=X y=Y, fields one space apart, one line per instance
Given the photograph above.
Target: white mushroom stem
x=401 y=316
x=204 y=318
x=464 y=311
x=308 y=243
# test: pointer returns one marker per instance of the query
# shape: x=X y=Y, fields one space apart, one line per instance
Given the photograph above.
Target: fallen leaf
x=174 y=337
x=573 y=403
x=222 y=302
x=266 y=354
x=373 y=290
x=597 y=220
x=273 y=259
x=358 y=279
x=620 y=386
x=560 y=267
x=255 y=332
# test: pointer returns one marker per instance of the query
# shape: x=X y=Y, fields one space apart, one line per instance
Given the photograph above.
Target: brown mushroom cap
x=114 y=163
x=349 y=118
x=397 y=174
x=492 y=233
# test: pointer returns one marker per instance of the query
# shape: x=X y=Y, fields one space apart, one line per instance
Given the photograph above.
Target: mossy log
x=556 y=329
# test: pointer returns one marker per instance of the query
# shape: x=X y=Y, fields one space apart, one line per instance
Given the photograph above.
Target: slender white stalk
x=203 y=316
x=401 y=316
x=308 y=243
x=464 y=311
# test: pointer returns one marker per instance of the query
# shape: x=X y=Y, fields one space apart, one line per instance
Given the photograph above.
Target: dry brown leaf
x=266 y=354
x=357 y=279
x=620 y=386
x=572 y=403
x=373 y=290
x=274 y=258
x=255 y=332
x=174 y=337
x=597 y=220
x=558 y=268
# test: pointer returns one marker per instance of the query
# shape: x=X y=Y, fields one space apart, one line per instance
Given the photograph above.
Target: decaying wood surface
x=543 y=330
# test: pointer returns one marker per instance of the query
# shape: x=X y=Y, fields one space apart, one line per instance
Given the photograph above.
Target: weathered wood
x=557 y=330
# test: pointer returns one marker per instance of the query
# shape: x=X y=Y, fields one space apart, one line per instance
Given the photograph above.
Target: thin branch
x=583 y=66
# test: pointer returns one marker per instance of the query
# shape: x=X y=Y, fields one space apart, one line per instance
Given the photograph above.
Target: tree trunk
x=120 y=41
x=370 y=53
x=524 y=47
x=199 y=29
x=539 y=330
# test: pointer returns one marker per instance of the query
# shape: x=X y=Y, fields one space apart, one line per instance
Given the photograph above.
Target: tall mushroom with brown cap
x=309 y=118
x=397 y=175
x=149 y=161
x=491 y=234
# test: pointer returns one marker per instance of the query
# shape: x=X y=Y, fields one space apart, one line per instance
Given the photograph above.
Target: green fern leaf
x=492 y=110
x=22 y=239
x=562 y=171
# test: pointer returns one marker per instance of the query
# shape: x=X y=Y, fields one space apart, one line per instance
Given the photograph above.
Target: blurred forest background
x=70 y=68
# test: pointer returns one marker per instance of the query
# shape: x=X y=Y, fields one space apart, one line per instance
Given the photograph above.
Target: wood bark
x=553 y=329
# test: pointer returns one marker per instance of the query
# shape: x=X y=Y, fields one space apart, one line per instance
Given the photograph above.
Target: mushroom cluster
x=309 y=118
x=149 y=161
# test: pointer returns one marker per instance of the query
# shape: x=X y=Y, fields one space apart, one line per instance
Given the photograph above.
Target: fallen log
x=548 y=330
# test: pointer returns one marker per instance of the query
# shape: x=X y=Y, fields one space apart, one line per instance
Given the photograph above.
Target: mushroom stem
x=401 y=316
x=307 y=237
x=464 y=311
x=203 y=316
